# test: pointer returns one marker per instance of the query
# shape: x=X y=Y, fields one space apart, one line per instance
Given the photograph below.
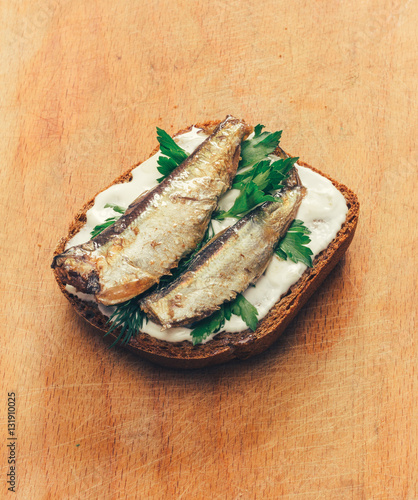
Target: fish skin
x=228 y=264
x=160 y=226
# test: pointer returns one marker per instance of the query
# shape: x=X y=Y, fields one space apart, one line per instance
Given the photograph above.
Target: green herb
x=210 y=325
x=256 y=184
x=250 y=197
x=293 y=245
x=239 y=307
x=268 y=175
x=129 y=317
x=101 y=227
x=109 y=221
x=174 y=154
x=259 y=147
x=261 y=176
x=116 y=208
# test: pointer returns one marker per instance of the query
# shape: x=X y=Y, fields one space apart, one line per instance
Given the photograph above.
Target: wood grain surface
x=330 y=412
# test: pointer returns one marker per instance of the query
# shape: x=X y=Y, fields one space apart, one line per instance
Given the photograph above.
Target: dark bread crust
x=225 y=346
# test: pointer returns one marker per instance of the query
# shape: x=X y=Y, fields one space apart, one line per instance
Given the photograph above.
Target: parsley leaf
x=212 y=324
x=242 y=307
x=257 y=173
x=116 y=208
x=209 y=325
x=268 y=175
x=261 y=175
x=255 y=185
x=293 y=245
x=257 y=129
x=256 y=149
x=250 y=197
x=101 y=227
x=109 y=221
x=174 y=154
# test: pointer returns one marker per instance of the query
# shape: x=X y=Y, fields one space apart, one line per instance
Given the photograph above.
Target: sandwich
x=207 y=250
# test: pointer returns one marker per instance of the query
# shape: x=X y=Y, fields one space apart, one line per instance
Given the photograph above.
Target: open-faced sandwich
x=207 y=250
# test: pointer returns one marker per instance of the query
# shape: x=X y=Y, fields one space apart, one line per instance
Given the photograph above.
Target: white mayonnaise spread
x=323 y=210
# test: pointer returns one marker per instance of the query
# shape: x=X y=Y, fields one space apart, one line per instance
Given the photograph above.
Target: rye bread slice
x=225 y=346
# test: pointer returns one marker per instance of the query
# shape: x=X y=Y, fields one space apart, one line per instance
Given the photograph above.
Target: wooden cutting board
x=331 y=410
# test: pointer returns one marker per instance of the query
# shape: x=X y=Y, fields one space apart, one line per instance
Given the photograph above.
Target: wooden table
x=330 y=411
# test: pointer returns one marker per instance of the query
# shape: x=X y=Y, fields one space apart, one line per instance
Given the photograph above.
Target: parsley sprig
x=110 y=220
x=258 y=175
x=293 y=245
x=240 y=306
x=172 y=154
x=257 y=184
x=258 y=147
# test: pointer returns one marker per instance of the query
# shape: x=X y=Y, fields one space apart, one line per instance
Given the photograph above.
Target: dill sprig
x=129 y=317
